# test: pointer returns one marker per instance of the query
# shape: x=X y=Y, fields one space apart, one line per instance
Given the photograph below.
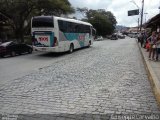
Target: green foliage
x=18 y=13
x=54 y=7
x=103 y=21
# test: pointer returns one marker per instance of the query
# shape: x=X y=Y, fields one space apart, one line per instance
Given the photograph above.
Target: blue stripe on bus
x=52 y=39
x=76 y=36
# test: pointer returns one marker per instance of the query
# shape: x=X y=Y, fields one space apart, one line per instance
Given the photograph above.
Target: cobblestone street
x=109 y=77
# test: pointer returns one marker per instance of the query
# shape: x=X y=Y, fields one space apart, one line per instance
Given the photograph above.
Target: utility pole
x=138 y=27
x=142 y=15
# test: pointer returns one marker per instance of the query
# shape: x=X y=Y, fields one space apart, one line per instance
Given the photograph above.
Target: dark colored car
x=114 y=37
x=11 y=48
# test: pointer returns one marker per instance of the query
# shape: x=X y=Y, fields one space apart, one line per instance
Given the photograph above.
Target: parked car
x=120 y=36
x=114 y=37
x=11 y=48
x=99 y=38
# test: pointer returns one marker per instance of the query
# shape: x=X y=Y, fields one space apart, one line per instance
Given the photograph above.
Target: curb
x=155 y=84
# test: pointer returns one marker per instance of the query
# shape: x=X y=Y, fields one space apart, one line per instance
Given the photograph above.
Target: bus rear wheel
x=71 y=48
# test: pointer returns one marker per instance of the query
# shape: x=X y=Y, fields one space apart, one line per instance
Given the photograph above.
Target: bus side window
x=63 y=26
x=76 y=28
x=80 y=28
x=60 y=24
x=71 y=27
x=91 y=30
x=86 y=29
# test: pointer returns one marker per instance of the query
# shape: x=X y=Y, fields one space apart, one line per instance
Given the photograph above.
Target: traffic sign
x=133 y=12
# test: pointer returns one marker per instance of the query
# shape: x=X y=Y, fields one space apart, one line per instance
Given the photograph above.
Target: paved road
x=19 y=66
x=109 y=77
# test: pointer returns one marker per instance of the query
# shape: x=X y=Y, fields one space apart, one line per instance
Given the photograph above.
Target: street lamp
x=135 y=3
x=141 y=22
x=140 y=12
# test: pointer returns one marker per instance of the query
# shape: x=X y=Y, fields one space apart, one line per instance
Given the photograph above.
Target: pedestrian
x=142 y=39
x=147 y=46
x=158 y=47
x=145 y=39
x=139 y=35
x=152 y=41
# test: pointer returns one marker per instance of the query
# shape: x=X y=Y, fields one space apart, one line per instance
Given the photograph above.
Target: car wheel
x=30 y=51
x=13 y=53
x=71 y=48
x=2 y=56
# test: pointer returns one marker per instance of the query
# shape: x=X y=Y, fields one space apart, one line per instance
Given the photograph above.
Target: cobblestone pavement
x=109 y=77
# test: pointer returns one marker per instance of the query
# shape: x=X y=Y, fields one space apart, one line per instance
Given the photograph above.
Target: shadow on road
x=52 y=54
x=41 y=54
x=17 y=55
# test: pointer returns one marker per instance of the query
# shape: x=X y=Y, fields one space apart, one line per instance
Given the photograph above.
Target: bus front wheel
x=71 y=48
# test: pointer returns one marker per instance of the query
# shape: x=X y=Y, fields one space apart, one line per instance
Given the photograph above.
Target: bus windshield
x=42 y=22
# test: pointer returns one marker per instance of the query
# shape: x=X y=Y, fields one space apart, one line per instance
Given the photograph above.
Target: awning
x=153 y=21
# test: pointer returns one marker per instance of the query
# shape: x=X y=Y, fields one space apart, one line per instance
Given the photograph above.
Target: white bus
x=57 y=34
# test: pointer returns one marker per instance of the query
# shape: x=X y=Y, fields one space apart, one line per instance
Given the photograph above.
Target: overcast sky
x=120 y=7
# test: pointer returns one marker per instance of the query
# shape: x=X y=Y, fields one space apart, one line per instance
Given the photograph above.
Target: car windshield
x=6 y=43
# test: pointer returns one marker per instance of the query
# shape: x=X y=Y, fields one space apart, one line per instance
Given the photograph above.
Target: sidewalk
x=153 y=70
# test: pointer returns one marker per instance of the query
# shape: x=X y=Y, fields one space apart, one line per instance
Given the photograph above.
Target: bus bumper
x=47 y=49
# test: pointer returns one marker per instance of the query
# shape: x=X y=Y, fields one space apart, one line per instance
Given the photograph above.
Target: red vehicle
x=11 y=48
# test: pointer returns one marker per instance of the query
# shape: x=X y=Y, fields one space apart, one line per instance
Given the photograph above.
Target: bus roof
x=65 y=19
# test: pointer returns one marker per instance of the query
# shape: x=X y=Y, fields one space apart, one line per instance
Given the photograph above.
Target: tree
x=103 y=21
x=55 y=7
x=101 y=24
x=83 y=11
x=19 y=12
